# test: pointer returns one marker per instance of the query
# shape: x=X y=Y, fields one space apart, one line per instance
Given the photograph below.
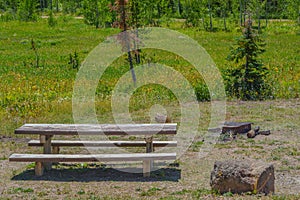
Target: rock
x=241 y=176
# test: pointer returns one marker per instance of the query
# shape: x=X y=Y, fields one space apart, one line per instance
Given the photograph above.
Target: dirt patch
x=13 y=139
x=189 y=180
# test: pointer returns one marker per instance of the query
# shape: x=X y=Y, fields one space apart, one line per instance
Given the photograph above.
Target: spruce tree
x=246 y=79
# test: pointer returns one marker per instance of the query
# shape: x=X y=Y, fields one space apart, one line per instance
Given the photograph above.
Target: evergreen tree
x=246 y=80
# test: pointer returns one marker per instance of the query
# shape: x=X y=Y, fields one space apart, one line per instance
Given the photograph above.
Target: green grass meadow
x=44 y=94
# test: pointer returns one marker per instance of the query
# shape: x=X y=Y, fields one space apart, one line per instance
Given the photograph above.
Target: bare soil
x=187 y=179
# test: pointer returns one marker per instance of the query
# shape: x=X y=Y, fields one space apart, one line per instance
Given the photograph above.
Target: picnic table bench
x=51 y=147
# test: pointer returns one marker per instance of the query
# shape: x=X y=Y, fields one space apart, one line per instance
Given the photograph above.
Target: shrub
x=27 y=10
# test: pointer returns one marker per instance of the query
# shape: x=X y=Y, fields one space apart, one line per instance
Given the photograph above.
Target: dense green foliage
x=27 y=10
x=198 y=13
x=96 y=12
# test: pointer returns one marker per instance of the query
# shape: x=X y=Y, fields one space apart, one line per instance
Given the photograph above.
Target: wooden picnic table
x=47 y=131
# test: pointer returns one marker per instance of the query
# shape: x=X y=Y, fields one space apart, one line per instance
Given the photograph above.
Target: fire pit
x=236 y=127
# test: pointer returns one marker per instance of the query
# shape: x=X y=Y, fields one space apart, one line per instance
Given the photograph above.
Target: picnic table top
x=98 y=129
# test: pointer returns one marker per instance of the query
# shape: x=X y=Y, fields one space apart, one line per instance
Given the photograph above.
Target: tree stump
x=241 y=176
x=160 y=118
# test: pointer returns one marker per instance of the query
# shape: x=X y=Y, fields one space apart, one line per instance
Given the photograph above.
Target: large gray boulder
x=241 y=176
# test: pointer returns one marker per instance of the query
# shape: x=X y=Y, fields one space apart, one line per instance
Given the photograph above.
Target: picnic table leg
x=39 y=169
x=146 y=168
x=149 y=144
x=148 y=164
x=55 y=150
x=46 y=140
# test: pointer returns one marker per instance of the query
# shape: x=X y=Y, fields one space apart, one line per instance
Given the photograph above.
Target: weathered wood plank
x=81 y=143
x=97 y=129
x=91 y=157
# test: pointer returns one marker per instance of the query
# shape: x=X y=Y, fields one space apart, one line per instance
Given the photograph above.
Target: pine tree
x=246 y=80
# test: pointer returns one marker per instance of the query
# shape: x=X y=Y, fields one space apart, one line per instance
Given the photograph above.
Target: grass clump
x=150 y=192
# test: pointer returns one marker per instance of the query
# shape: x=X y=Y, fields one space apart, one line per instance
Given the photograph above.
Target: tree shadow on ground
x=100 y=174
